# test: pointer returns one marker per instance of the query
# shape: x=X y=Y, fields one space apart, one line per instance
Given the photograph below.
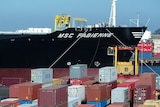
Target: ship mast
x=112 y=18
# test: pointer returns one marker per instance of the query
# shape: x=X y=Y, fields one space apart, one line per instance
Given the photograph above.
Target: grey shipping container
x=41 y=75
x=78 y=71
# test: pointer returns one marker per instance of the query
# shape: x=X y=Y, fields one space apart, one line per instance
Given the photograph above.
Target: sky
x=23 y=14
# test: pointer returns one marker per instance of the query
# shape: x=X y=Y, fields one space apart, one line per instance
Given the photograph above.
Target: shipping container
x=4 y=91
x=156 y=50
x=10 y=99
x=142 y=93
x=77 y=91
x=7 y=81
x=78 y=81
x=148 y=79
x=125 y=104
x=5 y=105
x=96 y=92
x=78 y=71
x=57 y=81
x=145 y=55
x=28 y=105
x=11 y=103
x=158 y=83
x=53 y=96
x=47 y=84
x=130 y=85
x=156 y=41
x=120 y=94
x=107 y=74
x=102 y=103
x=65 y=79
x=73 y=101
x=86 y=105
x=41 y=75
x=155 y=103
x=29 y=91
x=25 y=102
x=156 y=55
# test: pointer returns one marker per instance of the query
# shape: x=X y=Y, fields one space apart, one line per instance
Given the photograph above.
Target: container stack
x=108 y=75
x=145 y=89
x=145 y=50
x=97 y=94
x=156 y=49
x=53 y=96
x=78 y=74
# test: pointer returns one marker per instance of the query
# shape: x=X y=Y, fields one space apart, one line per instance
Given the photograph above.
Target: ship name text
x=85 y=35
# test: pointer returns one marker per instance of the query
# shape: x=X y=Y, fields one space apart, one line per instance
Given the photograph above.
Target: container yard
x=126 y=84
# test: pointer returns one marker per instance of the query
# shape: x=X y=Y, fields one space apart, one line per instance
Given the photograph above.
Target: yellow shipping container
x=121 y=80
x=146 y=105
x=57 y=81
x=124 y=63
x=157 y=95
x=155 y=103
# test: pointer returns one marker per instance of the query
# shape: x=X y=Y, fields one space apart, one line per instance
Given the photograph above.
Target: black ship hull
x=62 y=48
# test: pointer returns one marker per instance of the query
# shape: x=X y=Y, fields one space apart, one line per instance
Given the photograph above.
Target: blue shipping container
x=25 y=102
x=145 y=55
x=103 y=103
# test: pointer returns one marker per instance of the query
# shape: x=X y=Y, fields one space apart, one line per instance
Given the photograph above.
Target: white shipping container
x=158 y=82
x=41 y=75
x=107 y=74
x=10 y=99
x=78 y=71
x=77 y=91
x=73 y=101
x=47 y=85
x=156 y=41
x=28 y=105
x=156 y=50
x=120 y=95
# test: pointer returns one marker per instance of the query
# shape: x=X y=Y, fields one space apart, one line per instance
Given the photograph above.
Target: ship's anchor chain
x=132 y=52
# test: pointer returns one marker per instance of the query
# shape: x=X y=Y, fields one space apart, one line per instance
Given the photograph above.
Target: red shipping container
x=153 y=93
x=11 y=103
x=65 y=104
x=14 y=90
x=126 y=104
x=148 y=79
x=109 y=88
x=7 y=81
x=91 y=77
x=156 y=55
x=65 y=79
x=86 y=105
x=113 y=84
x=130 y=85
x=96 y=92
x=78 y=81
x=5 y=105
x=141 y=93
x=53 y=95
x=29 y=91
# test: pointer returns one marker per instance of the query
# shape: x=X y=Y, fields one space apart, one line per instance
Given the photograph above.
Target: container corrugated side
x=77 y=91
x=78 y=71
x=73 y=101
x=120 y=95
x=53 y=96
x=107 y=74
x=86 y=105
x=41 y=75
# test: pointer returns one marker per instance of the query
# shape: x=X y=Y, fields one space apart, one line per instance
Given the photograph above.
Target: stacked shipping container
x=156 y=49
x=145 y=50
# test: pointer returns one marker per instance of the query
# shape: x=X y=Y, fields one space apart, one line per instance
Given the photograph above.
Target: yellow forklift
x=126 y=68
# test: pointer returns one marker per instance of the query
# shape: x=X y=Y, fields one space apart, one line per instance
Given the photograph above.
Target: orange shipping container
x=148 y=79
x=86 y=105
x=11 y=103
x=96 y=92
x=126 y=104
x=29 y=91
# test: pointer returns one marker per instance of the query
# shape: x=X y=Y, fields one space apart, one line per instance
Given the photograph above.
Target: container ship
x=67 y=45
